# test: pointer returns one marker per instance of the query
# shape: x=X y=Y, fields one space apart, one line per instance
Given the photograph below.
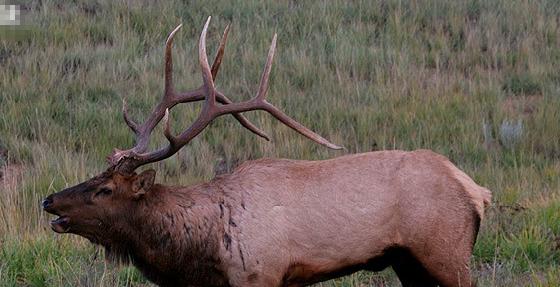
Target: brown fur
x=288 y=223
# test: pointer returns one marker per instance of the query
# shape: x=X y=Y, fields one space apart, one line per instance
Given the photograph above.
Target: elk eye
x=103 y=191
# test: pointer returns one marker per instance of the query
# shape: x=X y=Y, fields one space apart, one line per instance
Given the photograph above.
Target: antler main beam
x=129 y=160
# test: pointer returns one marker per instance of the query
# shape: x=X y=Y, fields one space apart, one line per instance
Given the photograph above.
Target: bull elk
x=274 y=222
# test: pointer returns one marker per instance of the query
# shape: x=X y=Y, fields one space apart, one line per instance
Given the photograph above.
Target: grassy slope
x=381 y=75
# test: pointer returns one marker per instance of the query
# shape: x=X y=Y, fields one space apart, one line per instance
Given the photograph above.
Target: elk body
x=275 y=222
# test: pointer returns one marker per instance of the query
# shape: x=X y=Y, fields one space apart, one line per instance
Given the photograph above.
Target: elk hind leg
x=448 y=269
x=450 y=272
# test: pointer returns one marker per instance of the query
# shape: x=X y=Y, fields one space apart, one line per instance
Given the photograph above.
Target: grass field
x=475 y=80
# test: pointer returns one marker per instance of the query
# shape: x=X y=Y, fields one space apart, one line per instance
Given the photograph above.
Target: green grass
x=367 y=75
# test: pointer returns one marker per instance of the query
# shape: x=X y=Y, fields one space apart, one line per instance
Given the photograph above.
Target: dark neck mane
x=172 y=237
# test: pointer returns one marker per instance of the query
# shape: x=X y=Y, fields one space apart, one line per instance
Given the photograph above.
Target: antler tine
x=129 y=122
x=295 y=125
x=205 y=67
x=219 y=54
x=169 y=89
x=263 y=86
x=197 y=95
x=167 y=129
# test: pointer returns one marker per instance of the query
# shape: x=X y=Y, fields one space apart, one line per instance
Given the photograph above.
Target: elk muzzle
x=62 y=223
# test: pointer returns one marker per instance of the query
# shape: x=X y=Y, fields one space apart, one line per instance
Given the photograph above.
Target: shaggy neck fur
x=171 y=236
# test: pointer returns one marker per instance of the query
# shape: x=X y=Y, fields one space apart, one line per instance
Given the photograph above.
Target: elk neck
x=171 y=228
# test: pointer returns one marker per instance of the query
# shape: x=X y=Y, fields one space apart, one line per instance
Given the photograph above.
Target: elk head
x=90 y=208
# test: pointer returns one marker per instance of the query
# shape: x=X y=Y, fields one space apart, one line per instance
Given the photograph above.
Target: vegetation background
x=475 y=80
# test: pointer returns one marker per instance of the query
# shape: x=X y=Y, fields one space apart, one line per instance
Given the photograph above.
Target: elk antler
x=128 y=160
x=170 y=99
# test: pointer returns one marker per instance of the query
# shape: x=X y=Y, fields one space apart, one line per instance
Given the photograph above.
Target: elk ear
x=143 y=182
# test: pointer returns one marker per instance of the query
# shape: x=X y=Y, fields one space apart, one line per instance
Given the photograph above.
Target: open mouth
x=61 y=224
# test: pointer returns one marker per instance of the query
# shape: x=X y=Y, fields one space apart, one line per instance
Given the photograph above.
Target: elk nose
x=47 y=202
